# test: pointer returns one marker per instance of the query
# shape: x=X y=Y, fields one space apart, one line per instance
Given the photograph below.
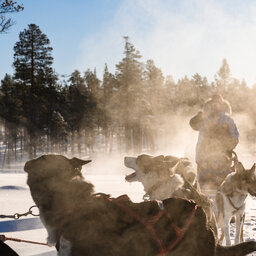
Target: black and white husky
x=168 y=176
x=231 y=200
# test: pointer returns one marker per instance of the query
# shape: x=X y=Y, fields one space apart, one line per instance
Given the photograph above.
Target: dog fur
x=231 y=200
x=49 y=178
x=164 y=177
x=155 y=175
x=85 y=224
x=161 y=176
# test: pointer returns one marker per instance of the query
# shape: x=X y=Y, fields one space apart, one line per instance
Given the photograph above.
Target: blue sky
x=183 y=37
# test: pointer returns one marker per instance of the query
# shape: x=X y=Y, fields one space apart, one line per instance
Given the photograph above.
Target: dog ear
x=253 y=168
x=158 y=159
x=27 y=166
x=181 y=165
x=184 y=162
x=239 y=167
x=76 y=162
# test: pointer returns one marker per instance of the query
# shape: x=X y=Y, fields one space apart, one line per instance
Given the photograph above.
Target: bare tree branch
x=6 y=7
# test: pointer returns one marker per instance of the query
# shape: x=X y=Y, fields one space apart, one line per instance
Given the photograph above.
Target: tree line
x=43 y=112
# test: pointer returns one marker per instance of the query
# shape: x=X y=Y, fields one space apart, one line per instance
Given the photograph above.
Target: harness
x=150 y=221
x=236 y=208
x=232 y=204
x=209 y=175
x=154 y=188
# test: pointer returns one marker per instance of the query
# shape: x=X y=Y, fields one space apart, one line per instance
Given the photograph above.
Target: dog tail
x=241 y=249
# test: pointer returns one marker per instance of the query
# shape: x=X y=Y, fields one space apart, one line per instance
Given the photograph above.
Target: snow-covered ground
x=15 y=198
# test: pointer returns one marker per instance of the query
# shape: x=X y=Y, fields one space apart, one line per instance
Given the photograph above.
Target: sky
x=183 y=37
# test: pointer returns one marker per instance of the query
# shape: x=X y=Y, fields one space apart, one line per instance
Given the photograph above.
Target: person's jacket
x=218 y=136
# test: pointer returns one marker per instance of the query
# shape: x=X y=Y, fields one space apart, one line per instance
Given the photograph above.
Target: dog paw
x=51 y=241
x=51 y=244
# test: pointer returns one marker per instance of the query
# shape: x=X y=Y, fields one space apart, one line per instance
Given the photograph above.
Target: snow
x=15 y=198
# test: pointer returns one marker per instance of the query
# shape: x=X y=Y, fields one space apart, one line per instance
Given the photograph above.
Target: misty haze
x=137 y=101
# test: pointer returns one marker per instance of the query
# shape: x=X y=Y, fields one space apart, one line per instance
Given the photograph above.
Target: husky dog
x=155 y=175
x=169 y=176
x=231 y=199
x=94 y=225
x=51 y=177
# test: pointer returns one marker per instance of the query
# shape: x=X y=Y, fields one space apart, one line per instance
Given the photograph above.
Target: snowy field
x=15 y=198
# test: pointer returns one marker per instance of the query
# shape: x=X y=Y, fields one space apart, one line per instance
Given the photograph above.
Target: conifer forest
x=43 y=111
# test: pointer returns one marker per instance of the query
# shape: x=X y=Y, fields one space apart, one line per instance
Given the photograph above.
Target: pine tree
x=79 y=109
x=32 y=57
x=170 y=93
x=92 y=83
x=223 y=78
x=94 y=93
x=10 y=112
x=109 y=107
x=154 y=79
x=201 y=90
x=32 y=63
x=129 y=77
x=58 y=131
x=10 y=104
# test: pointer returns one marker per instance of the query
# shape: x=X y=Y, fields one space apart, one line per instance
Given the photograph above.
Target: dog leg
x=239 y=220
x=226 y=227
x=51 y=232
x=242 y=229
x=52 y=237
x=220 y=221
x=65 y=247
x=220 y=214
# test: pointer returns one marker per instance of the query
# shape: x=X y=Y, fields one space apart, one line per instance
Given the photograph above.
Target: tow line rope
x=3 y=238
x=18 y=215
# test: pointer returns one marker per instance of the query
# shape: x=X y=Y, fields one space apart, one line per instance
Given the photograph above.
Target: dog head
x=248 y=177
x=251 y=180
x=54 y=165
x=155 y=174
x=142 y=165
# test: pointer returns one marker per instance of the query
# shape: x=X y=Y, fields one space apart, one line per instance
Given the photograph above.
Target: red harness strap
x=149 y=222
x=180 y=232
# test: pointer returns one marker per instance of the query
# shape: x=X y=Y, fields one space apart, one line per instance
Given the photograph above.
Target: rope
x=3 y=238
x=18 y=215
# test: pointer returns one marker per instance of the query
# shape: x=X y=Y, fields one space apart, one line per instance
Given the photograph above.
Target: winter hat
x=223 y=105
x=217 y=98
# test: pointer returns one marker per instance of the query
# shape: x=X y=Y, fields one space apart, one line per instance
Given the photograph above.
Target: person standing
x=218 y=136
